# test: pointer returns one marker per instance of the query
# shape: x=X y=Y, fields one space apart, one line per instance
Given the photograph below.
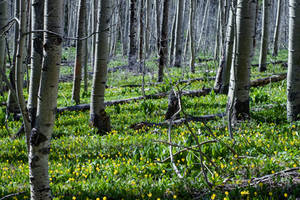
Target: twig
x=170 y=139
x=199 y=146
x=11 y=195
x=183 y=150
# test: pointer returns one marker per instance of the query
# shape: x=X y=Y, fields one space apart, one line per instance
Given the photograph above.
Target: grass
x=124 y=164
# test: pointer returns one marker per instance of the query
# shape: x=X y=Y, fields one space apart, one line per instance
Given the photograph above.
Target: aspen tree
x=80 y=52
x=264 y=37
x=163 y=59
x=98 y=116
x=238 y=96
x=293 y=81
x=47 y=102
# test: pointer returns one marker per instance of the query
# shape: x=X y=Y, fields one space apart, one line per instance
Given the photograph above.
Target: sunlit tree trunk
x=293 y=81
x=264 y=37
x=163 y=59
x=173 y=36
x=80 y=52
x=94 y=26
x=3 y=21
x=277 y=28
x=98 y=116
x=47 y=103
x=179 y=38
x=238 y=96
x=36 y=57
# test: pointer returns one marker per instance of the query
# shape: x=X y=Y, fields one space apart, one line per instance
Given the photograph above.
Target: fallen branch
x=290 y=176
x=267 y=80
x=12 y=195
x=279 y=62
x=141 y=125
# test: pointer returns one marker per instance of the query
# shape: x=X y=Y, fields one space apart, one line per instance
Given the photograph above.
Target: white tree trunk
x=293 y=81
x=98 y=116
x=36 y=57
x=238 y=96
x=277 y=28
x=41 y=134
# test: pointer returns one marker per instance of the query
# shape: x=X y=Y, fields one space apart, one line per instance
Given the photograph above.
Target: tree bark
x=158 y=24
x=3 y=21
x=223 y=74
x=277 y=28
x=80 y=52
x=148 y=28
x=41 y=133
x=132 y=57
x=192 y=37
x=12 y=105
x=293 y=81
x=98 y=116
x=36 y=57
x=19 y=73
x=238 y=96
x=264 y=37
x=163 y=59
x=179 y=35
x=141 y=53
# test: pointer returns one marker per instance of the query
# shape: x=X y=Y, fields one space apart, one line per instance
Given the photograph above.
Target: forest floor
x=262 y=162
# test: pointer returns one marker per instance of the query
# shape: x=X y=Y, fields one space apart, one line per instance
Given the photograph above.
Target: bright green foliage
x=123 y=164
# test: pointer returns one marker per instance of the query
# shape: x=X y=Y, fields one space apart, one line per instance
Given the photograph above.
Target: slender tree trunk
x=203 y=25
x=12 y=105
x=3 y=21
x=277 y=28
x=141 y=56
x=223 y=74
x=80 y=52
x=192 y=37
x=293 y=81
x=264 y=37
x=172 y=48
x=132 y=57
x=47 y=102
x=147 y=36
x=163 y=59
x=255 y=30
x=19 y=73
x=94 y=16
x=158 y=24
x=36 y=57
x=218 y=31
x=179 y=35
x=238 y=96
x=85 y=59
x=98 y=116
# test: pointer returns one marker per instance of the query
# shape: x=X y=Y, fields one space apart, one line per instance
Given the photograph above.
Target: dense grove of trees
x=179 y=32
